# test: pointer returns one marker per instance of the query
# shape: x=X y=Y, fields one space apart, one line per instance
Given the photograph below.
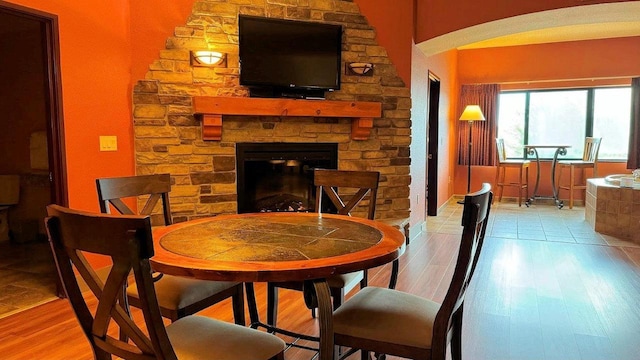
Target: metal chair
x=589 y=161
x=392 y=322
x=178 y=296
x=523 y=175
x=128 y=242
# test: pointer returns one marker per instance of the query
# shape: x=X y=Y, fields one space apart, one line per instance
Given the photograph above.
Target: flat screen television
x=286 y=58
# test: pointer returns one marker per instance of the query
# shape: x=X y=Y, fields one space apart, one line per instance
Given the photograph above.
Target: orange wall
x=393 y=21
x=592 y=59
x=438 y=17
x=150 y=28
x=95 y=64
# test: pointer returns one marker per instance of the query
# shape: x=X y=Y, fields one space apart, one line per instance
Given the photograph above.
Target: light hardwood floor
x=547 y=287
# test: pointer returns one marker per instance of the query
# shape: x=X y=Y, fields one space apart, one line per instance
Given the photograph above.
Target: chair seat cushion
x=197 y=337
x=387 y=315
x=577 y=163
x=174 y=292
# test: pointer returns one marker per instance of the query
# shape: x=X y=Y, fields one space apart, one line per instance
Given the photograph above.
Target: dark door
x=432 y=145
x=31 y=113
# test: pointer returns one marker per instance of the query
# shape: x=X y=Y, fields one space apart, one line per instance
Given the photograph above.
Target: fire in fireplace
x=279 y=176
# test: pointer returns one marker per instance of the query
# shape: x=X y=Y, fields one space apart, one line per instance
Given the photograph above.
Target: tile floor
x=541 y=222
x=27 y=276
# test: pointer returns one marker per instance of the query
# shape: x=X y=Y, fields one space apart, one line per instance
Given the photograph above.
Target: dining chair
x=335 y=184
x=177 y=296
x=522 y=166
x=392 y=322
x=127 y=241
x=589 y=161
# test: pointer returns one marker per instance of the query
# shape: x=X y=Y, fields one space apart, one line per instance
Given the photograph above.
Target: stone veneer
x=168 y=137
x=613 y=210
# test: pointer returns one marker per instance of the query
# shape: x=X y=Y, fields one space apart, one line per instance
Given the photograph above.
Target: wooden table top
x=274 y=246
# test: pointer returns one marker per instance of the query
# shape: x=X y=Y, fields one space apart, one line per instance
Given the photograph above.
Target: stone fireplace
x=205 y=174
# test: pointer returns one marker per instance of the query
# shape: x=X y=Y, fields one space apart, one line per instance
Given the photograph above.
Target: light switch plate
x=108 y=143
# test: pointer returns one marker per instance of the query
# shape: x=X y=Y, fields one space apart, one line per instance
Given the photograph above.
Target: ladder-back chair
x=589 y=161
x=364 y=190
x=128 y=242
x=177 y=296
x=392 y=322
x=522 y=183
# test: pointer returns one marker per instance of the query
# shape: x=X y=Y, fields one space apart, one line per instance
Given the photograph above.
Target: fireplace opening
x=274 y=177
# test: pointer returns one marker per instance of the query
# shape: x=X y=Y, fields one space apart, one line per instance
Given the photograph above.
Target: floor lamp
x=471 y=113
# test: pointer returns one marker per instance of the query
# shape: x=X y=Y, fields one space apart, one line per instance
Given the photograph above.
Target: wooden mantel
x=211 y=109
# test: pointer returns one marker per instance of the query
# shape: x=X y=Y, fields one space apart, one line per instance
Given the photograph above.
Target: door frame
x=53 y=91
x=433 y=106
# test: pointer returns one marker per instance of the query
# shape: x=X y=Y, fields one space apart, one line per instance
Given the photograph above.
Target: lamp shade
x=472 y=113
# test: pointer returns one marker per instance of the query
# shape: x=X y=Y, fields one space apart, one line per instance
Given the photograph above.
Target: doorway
x=432 y=144
x=31 y=154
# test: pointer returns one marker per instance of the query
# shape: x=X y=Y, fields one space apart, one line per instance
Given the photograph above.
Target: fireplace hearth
x=275 y=177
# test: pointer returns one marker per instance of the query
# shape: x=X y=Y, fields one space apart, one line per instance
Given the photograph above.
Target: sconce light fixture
x=208 y=58
x=360 y=68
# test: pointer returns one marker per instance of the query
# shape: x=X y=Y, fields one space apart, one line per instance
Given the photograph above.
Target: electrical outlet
x=108 y=143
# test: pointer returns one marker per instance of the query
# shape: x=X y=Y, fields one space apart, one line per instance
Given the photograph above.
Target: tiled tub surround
x=613 y=210
x=168 y=137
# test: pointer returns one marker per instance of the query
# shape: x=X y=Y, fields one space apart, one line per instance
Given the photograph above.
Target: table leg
x=559 y=151
x=534 y=151
x=321 y=298
x=251 y=304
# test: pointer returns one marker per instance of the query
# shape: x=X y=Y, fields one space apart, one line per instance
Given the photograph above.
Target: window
x=566 y=117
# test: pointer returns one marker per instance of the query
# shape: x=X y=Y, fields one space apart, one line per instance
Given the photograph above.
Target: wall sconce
x=360 y=69
x=208 y=58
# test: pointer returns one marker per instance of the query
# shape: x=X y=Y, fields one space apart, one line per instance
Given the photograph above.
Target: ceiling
x=561 y=34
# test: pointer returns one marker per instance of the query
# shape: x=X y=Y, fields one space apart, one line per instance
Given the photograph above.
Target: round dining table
x=276 y=247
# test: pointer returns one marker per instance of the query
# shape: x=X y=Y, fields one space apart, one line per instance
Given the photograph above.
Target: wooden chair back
x=502 y=152
x=591 y=149
x=111 y=191
x=475 y=215
x=127 y=240
x=330 y=182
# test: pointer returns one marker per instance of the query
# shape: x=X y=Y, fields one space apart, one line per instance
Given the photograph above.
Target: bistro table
x=277 y=246
x=533 y=150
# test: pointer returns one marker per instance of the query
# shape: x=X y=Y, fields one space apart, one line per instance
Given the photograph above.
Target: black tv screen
x=289 y=58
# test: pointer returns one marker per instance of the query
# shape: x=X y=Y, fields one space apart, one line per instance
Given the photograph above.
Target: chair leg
x=456 y=336
x=526 y=183
x=272 y=304
x=251 y=304
x=364 y=355
x=558 y=182
x=496 y=181
x=237 y=301
x=520 y=188
x=500 y=182
x=572 y=182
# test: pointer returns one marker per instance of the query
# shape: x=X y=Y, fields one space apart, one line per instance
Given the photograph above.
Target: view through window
x=566 y=117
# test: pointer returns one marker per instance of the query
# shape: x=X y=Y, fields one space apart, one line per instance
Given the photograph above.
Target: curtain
x=483 y=133
x=633 y=160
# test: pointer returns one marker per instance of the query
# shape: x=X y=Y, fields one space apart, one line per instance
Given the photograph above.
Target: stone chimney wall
x=168 y=137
